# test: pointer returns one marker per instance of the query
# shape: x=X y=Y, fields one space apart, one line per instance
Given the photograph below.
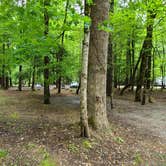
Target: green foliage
x=87 y=144
x=3 y=153
x=73 y=148
x=14 y=116
x=22 y=33
x=138 y=159
x=119 y=140
x=48 y=162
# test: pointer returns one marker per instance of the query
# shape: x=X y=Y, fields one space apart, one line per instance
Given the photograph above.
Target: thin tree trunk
x=3 y=68
x=59 y=84
x=7 y=82
x=62 y=43
x=33 y=78
x=110 y=67
x=10 y=79
x=20 y=78
x=46 y=58
x=3 y=77
x=145 y=69
x=132 y=79
x=133 y=61
x=115 y=72
x=84 y=73
x=128 y=62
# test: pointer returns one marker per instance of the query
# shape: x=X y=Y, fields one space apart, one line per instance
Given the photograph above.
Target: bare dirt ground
x=33 y=134
x=149 y=119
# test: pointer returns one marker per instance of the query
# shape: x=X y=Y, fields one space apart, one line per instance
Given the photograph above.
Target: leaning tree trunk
x=46 y=58
x=97 y=66
x=145 y=69
x=132 y=79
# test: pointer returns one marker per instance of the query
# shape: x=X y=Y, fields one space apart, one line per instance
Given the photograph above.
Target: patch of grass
x=14 y=116
x=138 y=159
x=73 y=148
x=161 y=156
x=3 y=100
x=119 y=140
x=87 y=144
x=48 y=162
x=3 y=153
x=30 y=146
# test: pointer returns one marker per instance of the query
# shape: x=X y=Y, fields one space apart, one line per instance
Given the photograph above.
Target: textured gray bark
x=97 y=66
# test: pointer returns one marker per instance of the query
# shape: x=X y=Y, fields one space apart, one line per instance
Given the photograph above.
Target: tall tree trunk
x=62 y=43
x=59 y=84
x=3 y=77
x=10 y=79
x=163 y=68
x=84 y=75
x=132 y=79
x=3 y=68
x=115 y=71
x=6 y=82
x=110 y=67
x=145 y=69
x=33 y=78
x=29 y=80
x=46 y=58
x=133 y=61
x=97 y=66
x=128 y=62
x=20 y=78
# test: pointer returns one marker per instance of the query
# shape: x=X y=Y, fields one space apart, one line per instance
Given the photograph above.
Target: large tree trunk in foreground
x=84 y=75
x=46 y=58
x=97 y=66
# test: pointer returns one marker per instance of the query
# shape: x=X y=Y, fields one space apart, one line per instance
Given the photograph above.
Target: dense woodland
x=109 y=47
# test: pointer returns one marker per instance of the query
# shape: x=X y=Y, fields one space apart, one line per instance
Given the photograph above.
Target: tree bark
x=84 y=74
x=145 y=69
x=110 y=67
x=3 y=68
x=132 y=79
x=46 y=58
x=128 y=62
x=97 y=66
x=33 y=78
x=20 y=78
x=62 y=43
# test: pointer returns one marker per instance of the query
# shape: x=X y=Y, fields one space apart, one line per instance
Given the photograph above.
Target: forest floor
x=34 y=134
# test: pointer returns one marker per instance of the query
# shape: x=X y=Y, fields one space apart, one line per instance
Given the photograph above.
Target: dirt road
x=148 y=119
